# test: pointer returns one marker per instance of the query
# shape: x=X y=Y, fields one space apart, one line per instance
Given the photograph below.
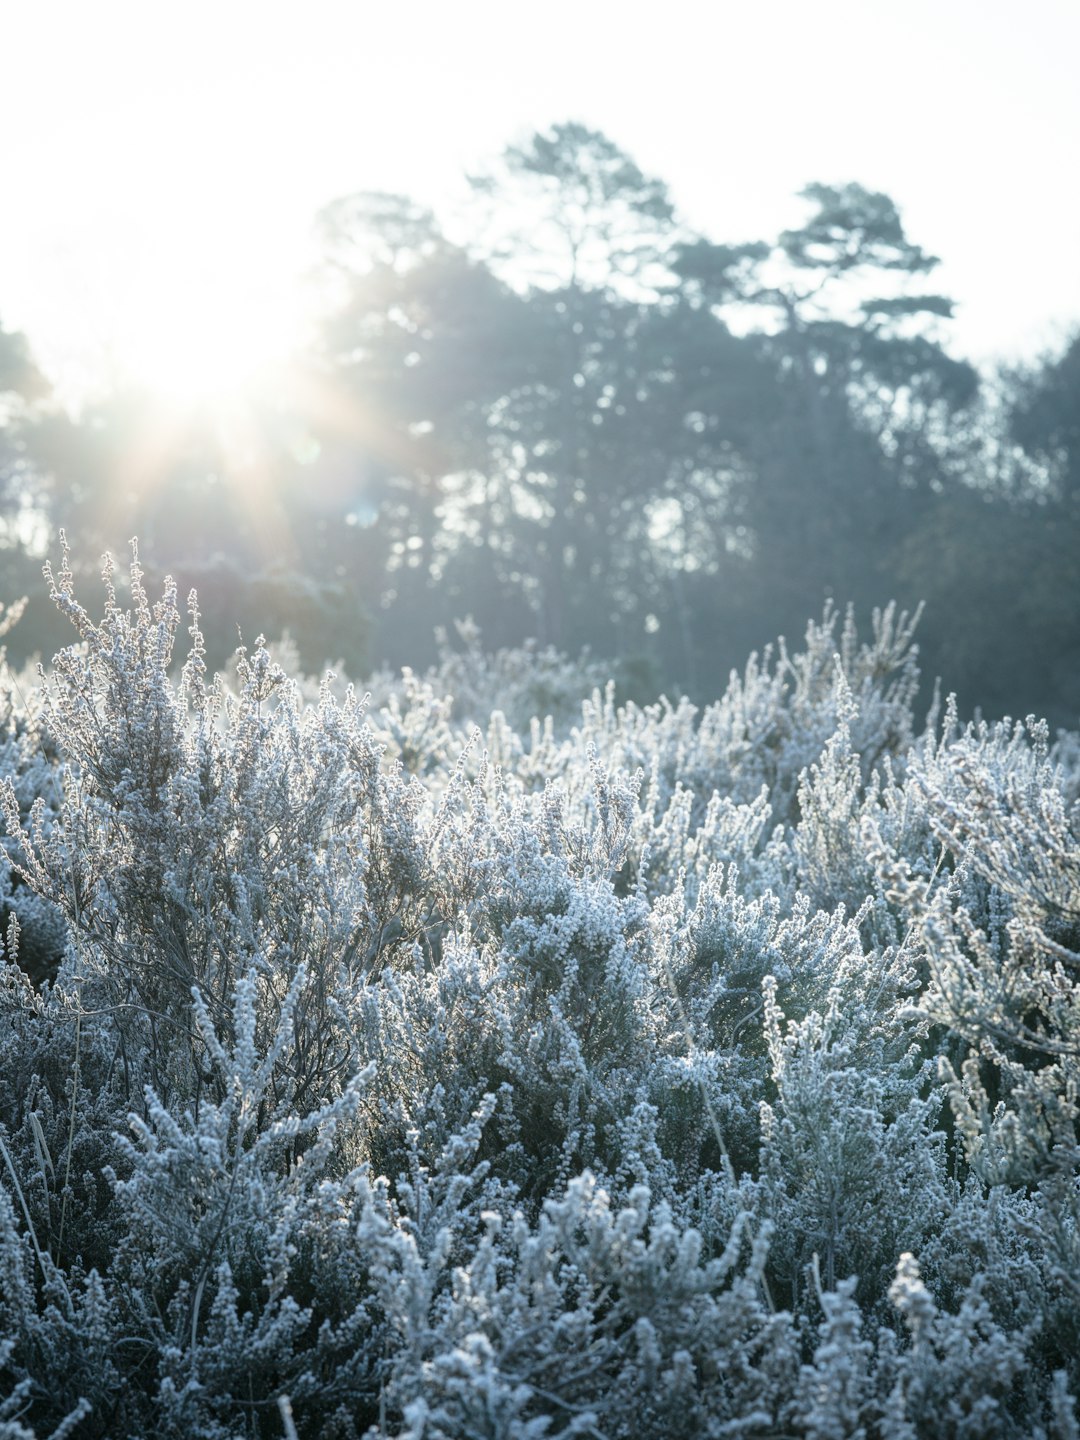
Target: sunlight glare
x=204 y=336
x=205 y=309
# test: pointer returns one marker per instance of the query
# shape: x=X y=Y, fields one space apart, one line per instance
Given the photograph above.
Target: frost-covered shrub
x=28 y=761
x=464 y=1064
x=521 y=683
x=852 y=1168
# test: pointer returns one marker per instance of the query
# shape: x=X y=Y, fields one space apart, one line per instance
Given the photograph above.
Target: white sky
x=147 y=141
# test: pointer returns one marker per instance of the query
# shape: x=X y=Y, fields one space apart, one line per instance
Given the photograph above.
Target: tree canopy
x=569 y=416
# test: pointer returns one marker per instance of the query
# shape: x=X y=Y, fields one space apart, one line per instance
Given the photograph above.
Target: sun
x=205 y=337
x=206 y=307
x=203 y=334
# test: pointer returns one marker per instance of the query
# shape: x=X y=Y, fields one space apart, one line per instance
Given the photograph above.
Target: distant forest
x=575 y=420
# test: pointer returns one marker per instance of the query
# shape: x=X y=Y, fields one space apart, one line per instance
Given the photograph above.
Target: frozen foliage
x=426 y=1069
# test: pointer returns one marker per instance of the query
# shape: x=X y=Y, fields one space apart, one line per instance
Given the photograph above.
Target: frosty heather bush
x=464 y=1065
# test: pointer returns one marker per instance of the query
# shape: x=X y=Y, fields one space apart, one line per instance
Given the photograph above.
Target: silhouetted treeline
x=575 y=419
